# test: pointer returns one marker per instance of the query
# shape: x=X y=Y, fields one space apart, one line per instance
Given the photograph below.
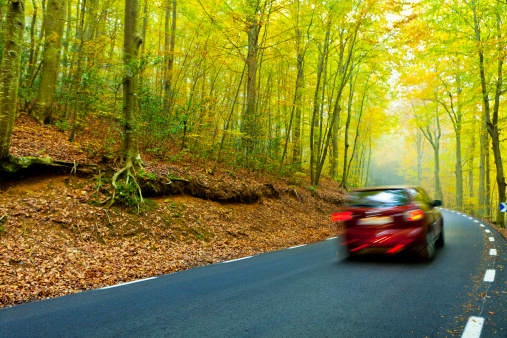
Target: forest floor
x=56 y=237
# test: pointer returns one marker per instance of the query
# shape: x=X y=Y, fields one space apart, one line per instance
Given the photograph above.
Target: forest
x=364 y=92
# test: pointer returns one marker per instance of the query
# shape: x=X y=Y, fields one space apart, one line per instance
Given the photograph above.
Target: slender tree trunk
x=482 y=171
x=31 y=60
x=130 y=145
x=471 y=174
x=420 y=154
x=170 y=41
x=32 y=66
x=53 y=27
x=9 y=72
x=65 y=44
x=336 y=122
x=253 y=47
x=296 y=159
x=76 y=83
x=343 y=183
x=459 y=170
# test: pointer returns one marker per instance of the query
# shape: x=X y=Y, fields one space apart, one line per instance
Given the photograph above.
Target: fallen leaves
x=55 y=240
x=55 y=243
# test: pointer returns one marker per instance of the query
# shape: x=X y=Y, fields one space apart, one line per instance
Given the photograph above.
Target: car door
x=432 y=212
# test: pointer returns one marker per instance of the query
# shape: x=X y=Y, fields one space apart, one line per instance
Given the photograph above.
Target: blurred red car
x=390 y=220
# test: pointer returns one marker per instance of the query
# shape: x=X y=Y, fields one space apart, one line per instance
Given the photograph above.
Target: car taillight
x=341 y=216
x=414 y=215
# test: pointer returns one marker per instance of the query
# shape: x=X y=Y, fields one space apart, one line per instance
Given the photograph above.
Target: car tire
x=428 y=252
x=440 y=242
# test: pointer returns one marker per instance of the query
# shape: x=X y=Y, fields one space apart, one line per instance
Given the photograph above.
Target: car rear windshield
x=378 y=198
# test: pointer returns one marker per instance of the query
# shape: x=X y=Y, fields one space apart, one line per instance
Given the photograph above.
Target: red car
x=391 y=220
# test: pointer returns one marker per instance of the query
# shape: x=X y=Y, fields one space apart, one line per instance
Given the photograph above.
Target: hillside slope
x=57 y=237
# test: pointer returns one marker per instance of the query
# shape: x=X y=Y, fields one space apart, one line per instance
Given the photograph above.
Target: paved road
x=303 y=291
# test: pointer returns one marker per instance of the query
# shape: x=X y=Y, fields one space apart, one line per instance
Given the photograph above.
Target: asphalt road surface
x=297 y=292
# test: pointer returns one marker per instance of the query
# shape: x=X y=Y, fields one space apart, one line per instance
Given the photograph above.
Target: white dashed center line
x=487 y=231
x=489 y=276
x=492 y=252
x=473 y=328
x=492 y=239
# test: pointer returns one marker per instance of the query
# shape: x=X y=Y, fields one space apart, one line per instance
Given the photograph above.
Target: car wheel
x=441 y=240
x=428 y=252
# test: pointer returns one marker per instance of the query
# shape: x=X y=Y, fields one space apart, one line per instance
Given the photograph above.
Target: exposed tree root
x=133 y=198
x=13 y=167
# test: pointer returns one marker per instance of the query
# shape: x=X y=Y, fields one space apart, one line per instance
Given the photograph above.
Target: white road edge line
x=127 y=283
x=492 y=252
x=237 y=259
x=297 y=246
x=492 y=239
x=473 y=328
x=331 y=238
x=489 y=276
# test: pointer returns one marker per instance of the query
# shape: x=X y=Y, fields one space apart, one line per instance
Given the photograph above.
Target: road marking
x=127 y=283
x=331 y=238
x=237 y=259
x=298 y=246
x=492 y=239
x=492 y=252
x=482 y=225
x=489 y=276
x=476 y=221
x=487 y=231
x=473 y=328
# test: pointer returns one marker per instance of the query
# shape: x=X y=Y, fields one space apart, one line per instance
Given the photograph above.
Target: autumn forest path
x=301 y=291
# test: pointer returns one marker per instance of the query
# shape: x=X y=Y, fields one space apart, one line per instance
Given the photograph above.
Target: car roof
x=387 y=187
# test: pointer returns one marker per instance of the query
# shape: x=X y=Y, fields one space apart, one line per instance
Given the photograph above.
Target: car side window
x=424 y=197
x=413 y=195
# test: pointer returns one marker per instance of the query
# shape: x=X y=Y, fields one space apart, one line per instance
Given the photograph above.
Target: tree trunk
x=65 y=45
x=314 y=141
x=32 y=66
x=31 y=61
x=420 y=154
x=296 y=159
x=253 y=47
x=9 y=72
x=169 y=45
x=53 y=29
x=336 y=118
x=130 y=146
x=494 y=132
x=343 y=183
x=491 y=125
x=471 y=174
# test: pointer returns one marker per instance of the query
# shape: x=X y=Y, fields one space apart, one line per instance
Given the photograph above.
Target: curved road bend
x=301 y=291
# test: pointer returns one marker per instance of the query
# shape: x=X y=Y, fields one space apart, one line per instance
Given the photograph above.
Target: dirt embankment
x=56 y=238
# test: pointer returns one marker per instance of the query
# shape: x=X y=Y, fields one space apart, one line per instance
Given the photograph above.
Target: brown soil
x=57 y=239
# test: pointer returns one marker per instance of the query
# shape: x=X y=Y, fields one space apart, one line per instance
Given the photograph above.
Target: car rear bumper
x=388 y=241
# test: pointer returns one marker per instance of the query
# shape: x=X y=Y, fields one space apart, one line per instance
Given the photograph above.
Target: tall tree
x=9 y=72
x=53 y=29
x=491 y=118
